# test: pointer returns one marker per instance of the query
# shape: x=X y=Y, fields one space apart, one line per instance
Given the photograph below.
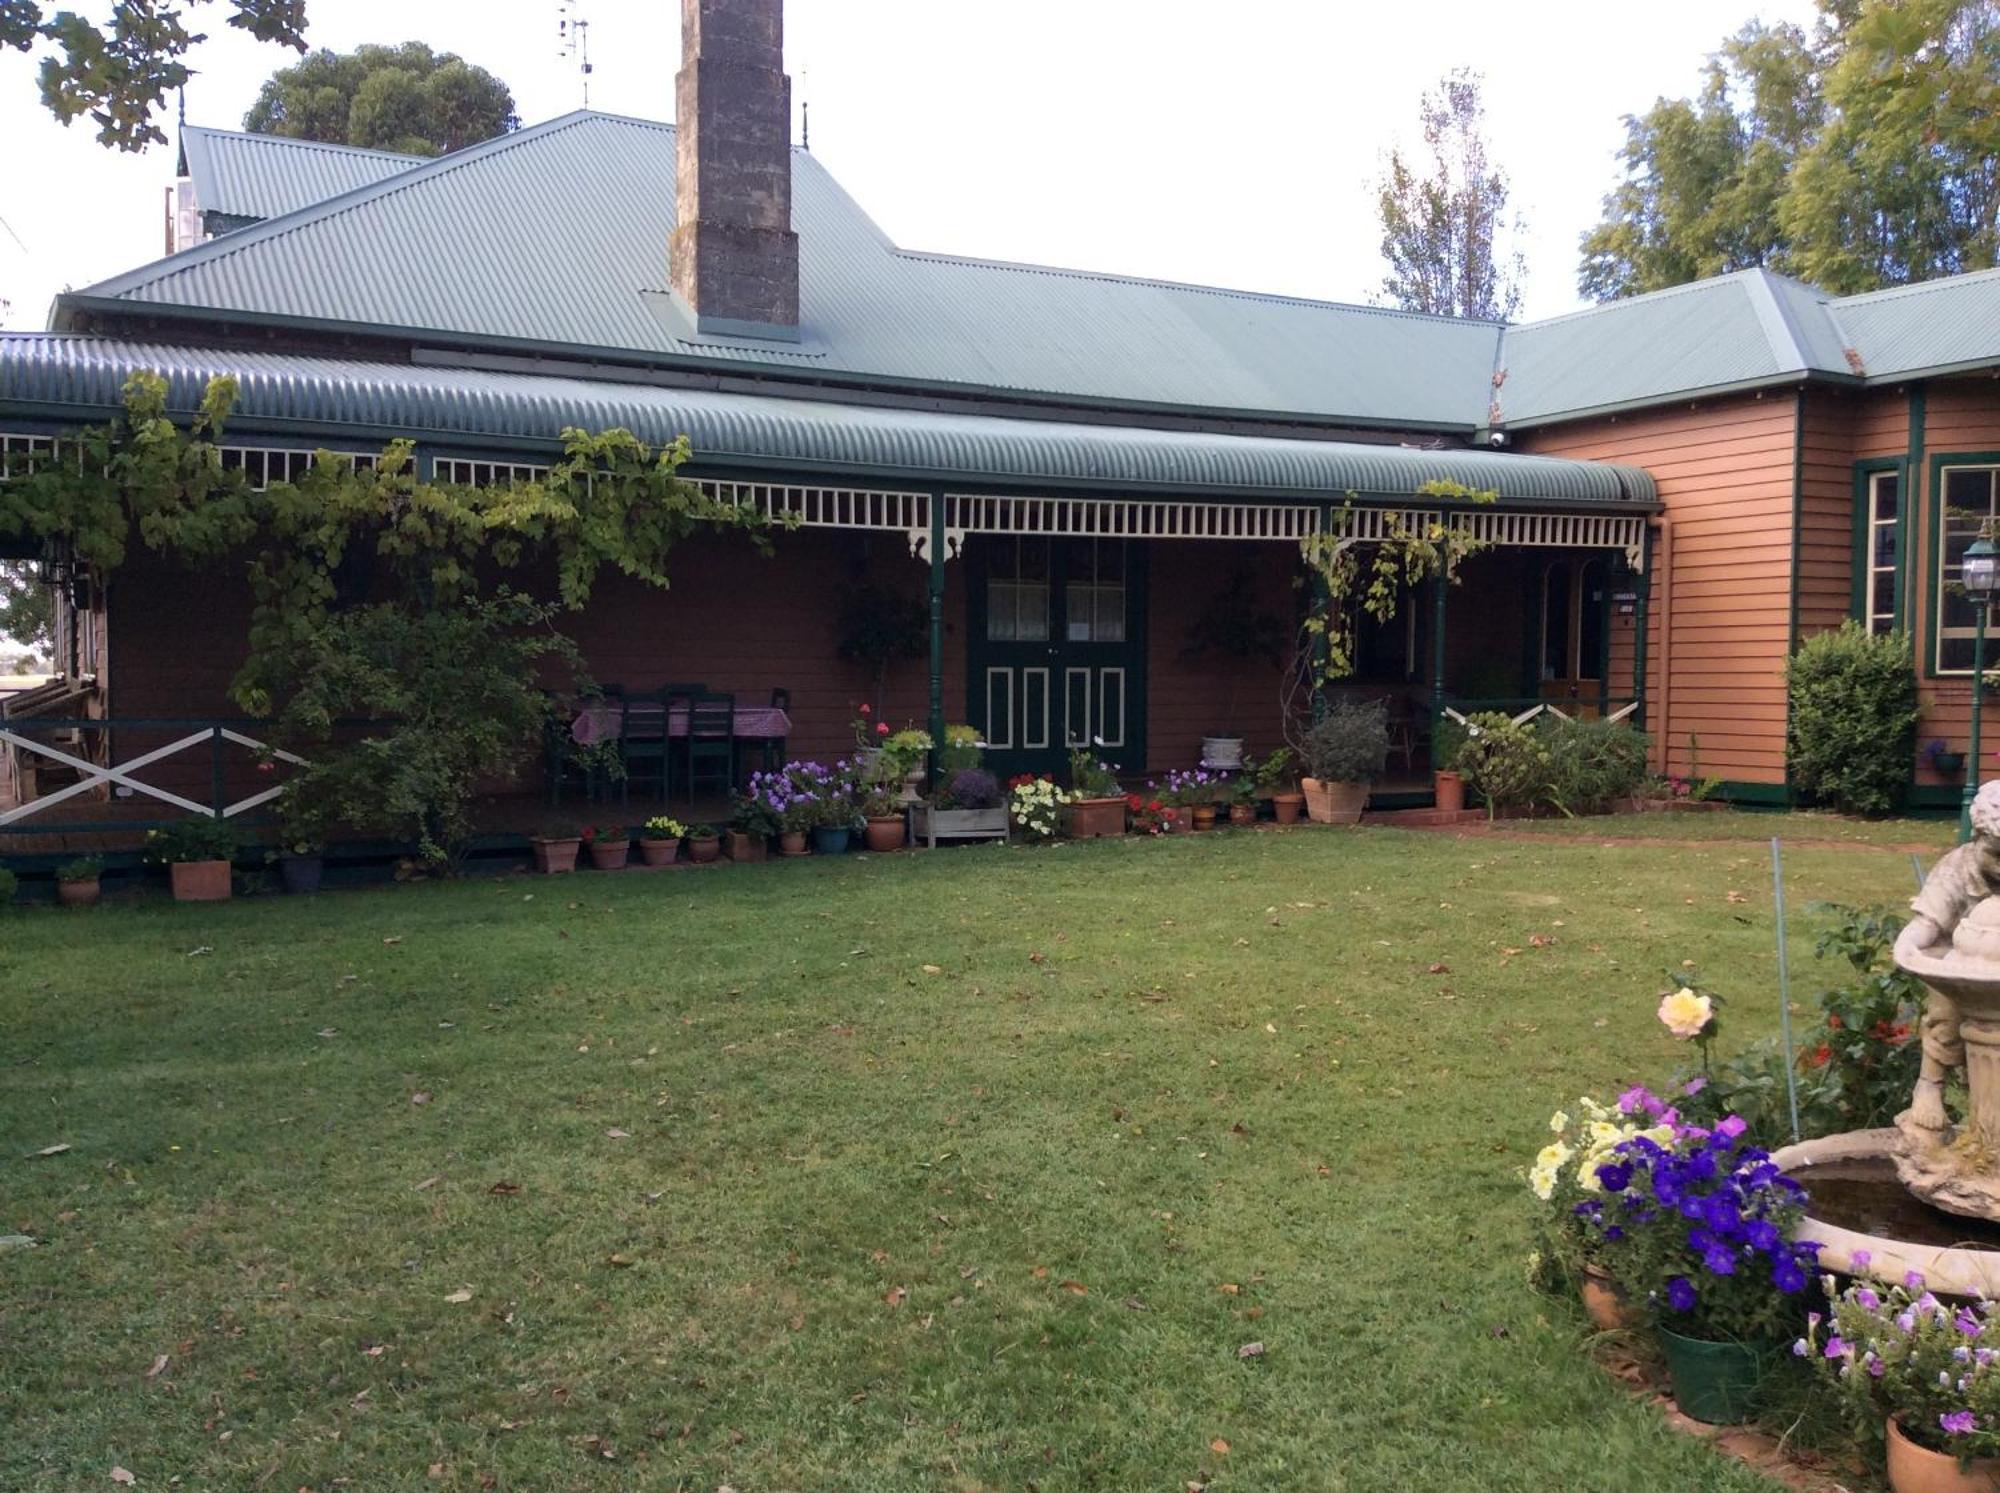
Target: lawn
x=979 y=1169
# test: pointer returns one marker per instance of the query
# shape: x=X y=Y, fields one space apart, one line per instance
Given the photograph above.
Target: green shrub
x=1854 y=719
x=1591 y=763
x=9 y=883
x=1349 y=744
x=1504 y=762
x=196 y=838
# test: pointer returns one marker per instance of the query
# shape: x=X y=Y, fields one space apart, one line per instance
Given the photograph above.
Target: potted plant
x=970 y=804
x=660 y=840
x=908 y=749
x=1191 y=792
x=1342 y=752
x=77 y=882
x=556 y=844
x=882 y=818
x=1943 y=761
x=1447 y=782
x=1096 y=803
x=829 y=804
x=1149 y=815
x=873 y=763
x=752 y=822
x=1035 y=805
x=704 y=844
x=1240 y=793
x=1901 y=1359
x=197 y=853
x=301 y=851
x=1275 y=781
x=608 y=844
x=1702 y=1225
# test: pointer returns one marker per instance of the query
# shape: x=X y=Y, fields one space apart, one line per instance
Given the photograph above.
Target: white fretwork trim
x=1116 y=518
x=906 y=513
x=122 y=774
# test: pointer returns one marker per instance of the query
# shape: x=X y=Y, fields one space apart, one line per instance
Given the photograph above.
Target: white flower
x=1559 y=1122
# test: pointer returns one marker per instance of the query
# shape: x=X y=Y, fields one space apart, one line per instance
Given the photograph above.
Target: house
x=1081 y=473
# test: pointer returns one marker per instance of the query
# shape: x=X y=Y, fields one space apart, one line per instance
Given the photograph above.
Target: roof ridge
x=244 y=239
x=1665 y=292
x=1917 y=287
x=1025 y=267
x=293 y=142
x=1781 y=329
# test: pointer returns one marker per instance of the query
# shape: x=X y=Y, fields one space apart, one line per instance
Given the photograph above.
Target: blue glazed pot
x=831 y=841
x=301 y=873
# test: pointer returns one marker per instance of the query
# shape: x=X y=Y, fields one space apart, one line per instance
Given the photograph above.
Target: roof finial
x=184 y=107
x=806 y=125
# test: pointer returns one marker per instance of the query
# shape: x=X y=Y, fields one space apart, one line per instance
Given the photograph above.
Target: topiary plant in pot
x=1342 y=753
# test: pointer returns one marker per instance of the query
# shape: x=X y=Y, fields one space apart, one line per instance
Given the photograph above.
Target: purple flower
x=1861 y=1257
x=1615 y=1176
x=1875 y=1367
x=1867 y=1298
x=1914 y=1279
x=1730 y=1126
x=1959 y=1423
x=1799 y=1349
x=1788 y=1277
x=1836 y=1345
x=1680 y=1294
x=1906 y=1321
x=1966 y=1323
x=1695 y=1085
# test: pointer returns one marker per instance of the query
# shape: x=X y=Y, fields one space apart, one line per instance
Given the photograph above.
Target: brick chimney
x=734 y=256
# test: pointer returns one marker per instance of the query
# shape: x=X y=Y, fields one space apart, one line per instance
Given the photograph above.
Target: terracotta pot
x=660 y=852
x=553 y=857
x=199 y=881
x=1287 y=807
x=1450 y=789
x=793 y=842
x=1096 y=818
x=79 y=893
x=1204 y=816
x=884 y=832
x=609 y=855
x=705 y=849
x=1605 y=1301
x=747 y=847
x=1918 y=1469
x=1242 y=814
x=1334 y=803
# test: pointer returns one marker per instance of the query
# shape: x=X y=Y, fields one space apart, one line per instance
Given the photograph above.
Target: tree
x=120 y=73
x=1441 y=230
x=1858 y=156
x=405 y=98
x=27 y=617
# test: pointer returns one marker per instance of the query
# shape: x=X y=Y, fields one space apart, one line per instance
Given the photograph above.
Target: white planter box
x=930 y=825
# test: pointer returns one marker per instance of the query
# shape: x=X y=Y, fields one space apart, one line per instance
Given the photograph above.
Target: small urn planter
x=1204 y=816
x=793 y=842
x=200 y=881
x=1096 y=818
x=1225 y=752
x=1605 y=1301
x=747 y=847
x=1288 y=808
x=78 y=891
x=1449 y=789
x=1918 y=1469
x=301 y=874
x=556 y=855
x=831 y=839
x=1241 y=814
x=883 y=832
x=1714 y=1383
x=656 y=852
x=704 y=848
x=1334 y=803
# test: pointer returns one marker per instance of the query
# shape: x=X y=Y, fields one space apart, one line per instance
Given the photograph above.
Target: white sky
x=1225 y=144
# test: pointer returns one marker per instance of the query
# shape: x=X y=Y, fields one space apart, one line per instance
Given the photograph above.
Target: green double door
x=1056 y=656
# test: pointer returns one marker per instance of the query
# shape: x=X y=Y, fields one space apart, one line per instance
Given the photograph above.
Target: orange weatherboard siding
x=1721 y=602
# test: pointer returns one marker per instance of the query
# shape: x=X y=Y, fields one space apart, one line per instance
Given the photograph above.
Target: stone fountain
x=1925 y=1195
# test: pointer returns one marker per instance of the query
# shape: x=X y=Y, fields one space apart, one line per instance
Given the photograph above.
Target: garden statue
x=1952 y=944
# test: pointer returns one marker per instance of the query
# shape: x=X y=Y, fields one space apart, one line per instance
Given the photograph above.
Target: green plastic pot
x=1714 y=1383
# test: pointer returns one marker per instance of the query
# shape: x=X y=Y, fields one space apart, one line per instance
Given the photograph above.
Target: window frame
x=1940 y=463
x=1861 y=597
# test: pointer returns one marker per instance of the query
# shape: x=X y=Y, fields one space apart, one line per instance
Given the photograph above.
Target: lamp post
x=1981 y=575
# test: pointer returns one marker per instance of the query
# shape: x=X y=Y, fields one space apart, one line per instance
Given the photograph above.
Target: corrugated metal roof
x=64 y=375
x=557 y=235
x=1939 y=324
x=267 y=176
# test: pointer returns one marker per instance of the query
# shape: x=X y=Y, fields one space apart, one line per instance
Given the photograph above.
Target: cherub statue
x=1959 y=882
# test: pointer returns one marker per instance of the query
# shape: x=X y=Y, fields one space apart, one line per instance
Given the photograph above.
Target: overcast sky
x=1226 y=144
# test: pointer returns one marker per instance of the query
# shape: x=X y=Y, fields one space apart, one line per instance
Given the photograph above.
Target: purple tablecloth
x=607 y=723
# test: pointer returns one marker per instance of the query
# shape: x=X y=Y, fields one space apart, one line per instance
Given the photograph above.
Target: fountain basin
x=1859 y=1205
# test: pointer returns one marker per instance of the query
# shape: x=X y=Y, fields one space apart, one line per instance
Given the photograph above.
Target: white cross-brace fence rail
x=1544 y=708
x=121 y=774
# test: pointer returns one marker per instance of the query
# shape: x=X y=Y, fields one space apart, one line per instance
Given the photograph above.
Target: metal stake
x=1784 y=986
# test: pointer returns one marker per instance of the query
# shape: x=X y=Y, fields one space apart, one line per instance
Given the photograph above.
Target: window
x=20 y=454
x=1557 y=658
x=1971 y=501
x=1882 y=552
x=1095 y=597
x=1017 y=592
x=264 y=465
x=484 y=473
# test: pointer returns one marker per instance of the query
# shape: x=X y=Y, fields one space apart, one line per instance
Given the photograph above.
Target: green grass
x=881 y=1113
x=1806 y=827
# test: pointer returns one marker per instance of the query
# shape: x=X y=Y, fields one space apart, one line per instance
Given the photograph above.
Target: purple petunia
x=1836 y=1345
x=1966 y=1323
x=1959 y=1423
x=1681 y=1294
x=1730 y=1126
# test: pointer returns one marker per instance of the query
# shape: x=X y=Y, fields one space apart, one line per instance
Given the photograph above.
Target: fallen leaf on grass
x=1250 y=1350
x=421 y=1098
x=159 y=1367
x=615 y=1134
x=933 y=969
x=1134 y=1304
x=1230 y=1288
x=1041 y=1272
x=55 y=1150
x=1439 y=969
x=426 y=1185
x=374 y=1352
x=1076 y=1288
x=397 y=939
x=459 y=1297
x=120 y=1475
x=622 y=1261
x=505 y=1189
x=896 y=1296
x=1219 y=1447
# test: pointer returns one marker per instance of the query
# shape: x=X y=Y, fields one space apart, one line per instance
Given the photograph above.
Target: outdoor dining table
x=606 y=722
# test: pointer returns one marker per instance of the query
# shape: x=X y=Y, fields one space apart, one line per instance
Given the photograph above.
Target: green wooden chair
x=642 y=746
x=711 y=741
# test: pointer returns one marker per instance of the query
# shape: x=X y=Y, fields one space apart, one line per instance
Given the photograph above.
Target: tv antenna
x=573 y=30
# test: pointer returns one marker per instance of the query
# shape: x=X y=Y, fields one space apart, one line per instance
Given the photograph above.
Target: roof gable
x=266 y=176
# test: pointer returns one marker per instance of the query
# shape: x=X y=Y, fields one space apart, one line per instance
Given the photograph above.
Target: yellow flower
x=1559 y=1122
x=1660 y=1135
x=1603 y=1133
x=1685 y=1013
x=1543 y=1181
x=1553 y=1155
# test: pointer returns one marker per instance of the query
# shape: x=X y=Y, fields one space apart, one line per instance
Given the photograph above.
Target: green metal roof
x=553 y=241
x=266 y=176
x=53 y=377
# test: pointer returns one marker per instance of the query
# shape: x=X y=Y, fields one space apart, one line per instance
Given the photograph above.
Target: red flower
x=864 y=708
x=1819 y=1057
x=1833 y=1023
x=881 y=728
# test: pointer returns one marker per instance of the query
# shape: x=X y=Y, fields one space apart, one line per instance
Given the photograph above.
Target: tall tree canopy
x=1443 y=219
x=406 y=98
x=1863 y=154
x=120 y=73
